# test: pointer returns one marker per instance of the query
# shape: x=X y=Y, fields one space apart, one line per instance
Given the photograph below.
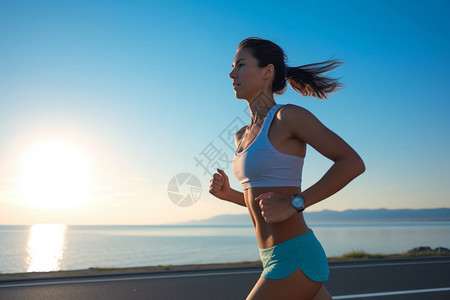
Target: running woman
x=268 y=163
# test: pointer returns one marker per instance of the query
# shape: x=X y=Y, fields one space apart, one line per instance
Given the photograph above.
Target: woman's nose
x=232 y=74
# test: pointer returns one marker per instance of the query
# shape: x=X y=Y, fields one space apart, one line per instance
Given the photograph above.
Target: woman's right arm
x=220 y=187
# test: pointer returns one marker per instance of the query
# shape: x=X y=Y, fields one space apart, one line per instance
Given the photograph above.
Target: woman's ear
x=269 y=71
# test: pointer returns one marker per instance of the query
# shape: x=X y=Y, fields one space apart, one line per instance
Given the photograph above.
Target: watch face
x=298 y=201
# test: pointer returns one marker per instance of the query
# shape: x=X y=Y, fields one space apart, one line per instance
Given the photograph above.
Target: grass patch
x=360 y=254
x=416 y=252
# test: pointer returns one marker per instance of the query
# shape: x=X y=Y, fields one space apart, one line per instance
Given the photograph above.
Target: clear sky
x=103 y=103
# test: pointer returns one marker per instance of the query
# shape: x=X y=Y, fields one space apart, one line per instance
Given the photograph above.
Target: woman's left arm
x=347 y=164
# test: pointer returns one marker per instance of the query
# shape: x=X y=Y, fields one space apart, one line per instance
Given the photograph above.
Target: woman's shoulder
x=242 y=130
x=292 y=112
x=239 y=133
x=294 y=118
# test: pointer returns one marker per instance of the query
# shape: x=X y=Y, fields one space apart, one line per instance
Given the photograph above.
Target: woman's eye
x=240 y=65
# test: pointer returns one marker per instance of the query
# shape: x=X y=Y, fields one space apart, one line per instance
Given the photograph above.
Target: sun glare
x=54 y=174
x=45 y=247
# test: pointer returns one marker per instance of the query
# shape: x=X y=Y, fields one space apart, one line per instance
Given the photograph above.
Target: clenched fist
x=219 y=185
x=275 y=207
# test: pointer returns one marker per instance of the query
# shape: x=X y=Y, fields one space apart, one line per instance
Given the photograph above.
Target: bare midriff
x=271 y=234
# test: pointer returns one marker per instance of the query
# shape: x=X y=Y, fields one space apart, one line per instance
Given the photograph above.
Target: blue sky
x=142 y=88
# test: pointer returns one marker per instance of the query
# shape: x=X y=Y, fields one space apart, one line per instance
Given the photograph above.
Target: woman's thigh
x=323 y=294
x=296 y=286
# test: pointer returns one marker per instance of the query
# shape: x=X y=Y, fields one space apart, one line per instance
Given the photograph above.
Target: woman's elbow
x=358 y=166
x=352 y=163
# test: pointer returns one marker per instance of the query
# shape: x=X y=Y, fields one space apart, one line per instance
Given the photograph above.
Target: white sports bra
x=262 y=165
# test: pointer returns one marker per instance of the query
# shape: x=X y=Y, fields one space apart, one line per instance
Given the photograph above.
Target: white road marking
x=391 y=264
x=359 y=296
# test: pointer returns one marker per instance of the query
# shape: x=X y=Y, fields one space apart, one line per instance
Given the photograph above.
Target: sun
x=55 y=174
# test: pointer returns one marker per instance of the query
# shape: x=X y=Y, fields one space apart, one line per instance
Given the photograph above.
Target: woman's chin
x=238 y=95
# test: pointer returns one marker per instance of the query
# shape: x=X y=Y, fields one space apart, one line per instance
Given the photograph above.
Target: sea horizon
x=324 y=216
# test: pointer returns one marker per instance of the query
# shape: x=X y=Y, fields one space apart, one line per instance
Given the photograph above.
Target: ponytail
x=309 y=80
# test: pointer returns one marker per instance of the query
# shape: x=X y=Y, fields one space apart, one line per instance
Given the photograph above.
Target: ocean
x=50 y=247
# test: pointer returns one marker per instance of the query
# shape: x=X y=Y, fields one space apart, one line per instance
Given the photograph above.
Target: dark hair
x=308 y=80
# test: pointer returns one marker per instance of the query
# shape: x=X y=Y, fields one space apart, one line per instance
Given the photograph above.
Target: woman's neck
x=260 y=106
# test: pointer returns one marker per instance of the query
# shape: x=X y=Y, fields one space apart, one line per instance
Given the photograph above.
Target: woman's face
x=248 y=78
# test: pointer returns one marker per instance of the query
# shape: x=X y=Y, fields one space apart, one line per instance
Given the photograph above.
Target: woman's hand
x=275 y=207
x=219 y=185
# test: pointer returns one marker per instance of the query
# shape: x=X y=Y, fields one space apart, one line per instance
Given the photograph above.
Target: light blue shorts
x=303 y=252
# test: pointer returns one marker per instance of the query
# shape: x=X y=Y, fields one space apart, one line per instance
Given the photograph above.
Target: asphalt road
x=418 y=278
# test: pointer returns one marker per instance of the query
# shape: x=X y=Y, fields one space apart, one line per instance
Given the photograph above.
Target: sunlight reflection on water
x=45 y=247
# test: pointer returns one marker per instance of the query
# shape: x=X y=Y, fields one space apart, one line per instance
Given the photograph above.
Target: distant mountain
x=243 y=219
x=439 y=214
x=380 y=215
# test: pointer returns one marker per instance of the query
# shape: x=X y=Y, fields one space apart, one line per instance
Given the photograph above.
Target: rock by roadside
x=429 y=251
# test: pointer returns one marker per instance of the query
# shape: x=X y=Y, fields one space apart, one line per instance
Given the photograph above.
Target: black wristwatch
x=298 y=202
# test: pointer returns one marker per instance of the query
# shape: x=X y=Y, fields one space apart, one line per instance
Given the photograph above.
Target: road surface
x=396 y=279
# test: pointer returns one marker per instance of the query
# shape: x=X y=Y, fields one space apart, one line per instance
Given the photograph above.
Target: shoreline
x=351 y=256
